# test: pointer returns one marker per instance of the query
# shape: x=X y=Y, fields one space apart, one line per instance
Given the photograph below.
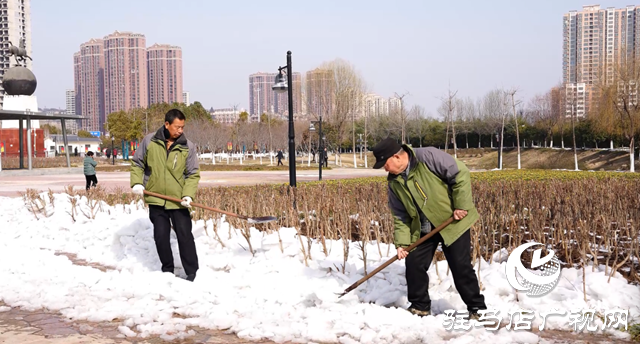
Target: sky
x=413 y=47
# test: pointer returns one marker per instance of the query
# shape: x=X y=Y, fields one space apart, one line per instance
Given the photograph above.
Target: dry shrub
x=585 y=217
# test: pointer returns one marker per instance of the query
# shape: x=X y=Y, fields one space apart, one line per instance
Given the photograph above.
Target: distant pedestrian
x=280 y=157
x=325 y=158
x=90 y=170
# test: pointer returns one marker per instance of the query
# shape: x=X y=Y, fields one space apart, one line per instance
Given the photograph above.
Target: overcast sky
x=418 y=47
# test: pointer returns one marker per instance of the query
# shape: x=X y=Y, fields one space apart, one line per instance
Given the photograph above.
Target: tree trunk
x=575 y=149
x=446 y=137
x=455 y=144
x=365 y=143
x=632 y=167
x=402 y=120
x=501 y=141
x=517 y=129
x=353 y=122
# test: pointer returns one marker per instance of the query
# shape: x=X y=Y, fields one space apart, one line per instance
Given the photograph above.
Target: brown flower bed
x=585 y=217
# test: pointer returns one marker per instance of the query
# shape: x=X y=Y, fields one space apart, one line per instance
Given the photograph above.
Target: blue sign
x=95 y=133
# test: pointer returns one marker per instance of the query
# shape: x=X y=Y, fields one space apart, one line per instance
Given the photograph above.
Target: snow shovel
x=260 y=219
x=395 y=257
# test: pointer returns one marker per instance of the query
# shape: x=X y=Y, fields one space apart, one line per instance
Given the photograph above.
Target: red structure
x=10 y=142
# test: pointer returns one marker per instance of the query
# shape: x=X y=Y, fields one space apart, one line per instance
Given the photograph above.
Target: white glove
x=186 y=201
x=138 y=189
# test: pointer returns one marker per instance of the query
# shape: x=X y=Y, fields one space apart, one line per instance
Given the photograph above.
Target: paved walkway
x=40 y=327
x=12 y=184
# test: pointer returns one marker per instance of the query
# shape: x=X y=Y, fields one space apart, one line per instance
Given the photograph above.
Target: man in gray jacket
x=426 y=186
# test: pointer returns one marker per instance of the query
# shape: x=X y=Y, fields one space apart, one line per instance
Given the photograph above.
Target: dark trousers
x=280 y=162
x=92 y=179
x=162 y=220
x=458 y=257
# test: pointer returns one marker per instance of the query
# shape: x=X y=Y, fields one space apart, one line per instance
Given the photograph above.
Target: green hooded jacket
x=173 y=172
x=436 y=185
x=89 y=166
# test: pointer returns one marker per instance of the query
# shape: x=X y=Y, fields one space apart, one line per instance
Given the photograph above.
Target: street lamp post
x=281 y=86
x=320 y=148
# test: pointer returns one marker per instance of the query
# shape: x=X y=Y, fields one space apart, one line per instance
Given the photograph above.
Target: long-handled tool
x=260 y=219
x=395 y=257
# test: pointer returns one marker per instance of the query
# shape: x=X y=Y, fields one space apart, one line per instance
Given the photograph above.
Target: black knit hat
x=384 y=150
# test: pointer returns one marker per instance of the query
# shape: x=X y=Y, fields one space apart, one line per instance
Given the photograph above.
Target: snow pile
x=269 y=295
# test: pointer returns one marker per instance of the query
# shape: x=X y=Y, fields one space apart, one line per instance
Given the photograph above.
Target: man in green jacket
x=427 y=187
x=167 y=163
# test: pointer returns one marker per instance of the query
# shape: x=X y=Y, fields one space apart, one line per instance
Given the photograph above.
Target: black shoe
x=418 y=312
x=474 y=315
x=190 y=278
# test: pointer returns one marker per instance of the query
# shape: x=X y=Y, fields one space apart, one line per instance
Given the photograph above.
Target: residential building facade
x=90 y=84
x=595 y=40
x=118 y=72
x=125 y=71
x=164 y=63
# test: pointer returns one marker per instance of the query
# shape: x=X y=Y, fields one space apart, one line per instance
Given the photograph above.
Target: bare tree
x=466 y=115
x=541 y=110
x=493 y=111
x=217 y=136
x=336 y=90
x=401 y=116
x=417 y=123
x=623 y=88
x=382 y=126
x=480 y=124
x=447 y=110
x=505 y=111
x=357 y=111
x=603 y=114
x=512 y=94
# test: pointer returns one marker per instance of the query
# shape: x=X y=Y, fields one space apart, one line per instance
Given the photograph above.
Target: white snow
x=271 y=295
